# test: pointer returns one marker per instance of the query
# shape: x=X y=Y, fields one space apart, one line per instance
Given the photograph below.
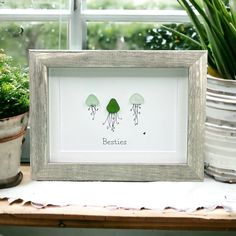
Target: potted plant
x=215 y=22
x=14 y=106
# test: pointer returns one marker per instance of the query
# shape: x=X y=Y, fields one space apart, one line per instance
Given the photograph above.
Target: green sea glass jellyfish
x=92 y=102
x=136 y=100
x=112 y=118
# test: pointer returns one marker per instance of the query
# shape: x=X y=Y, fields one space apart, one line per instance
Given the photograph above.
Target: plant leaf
x=219 y=31
x=199 y=28
x=222 y=54
x=230 y=35
x=187 y=38
x=232 y=4
x=212 y=14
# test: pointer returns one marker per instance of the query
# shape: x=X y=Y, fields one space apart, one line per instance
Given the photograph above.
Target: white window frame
x=77 y=16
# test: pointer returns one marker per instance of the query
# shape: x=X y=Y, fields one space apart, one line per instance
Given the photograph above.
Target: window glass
x=133 y=4
x=35 y=4
x=132 y=36
x=16 y=38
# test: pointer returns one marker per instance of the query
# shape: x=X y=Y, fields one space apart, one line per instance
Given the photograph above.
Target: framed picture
x=117 y=115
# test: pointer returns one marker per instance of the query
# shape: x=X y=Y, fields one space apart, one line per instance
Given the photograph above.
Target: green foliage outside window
x=16 y=38
x=132 y=4
x=34 y=4
x=136 y=36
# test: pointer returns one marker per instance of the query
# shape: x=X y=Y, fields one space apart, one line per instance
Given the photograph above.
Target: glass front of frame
x=118 y=115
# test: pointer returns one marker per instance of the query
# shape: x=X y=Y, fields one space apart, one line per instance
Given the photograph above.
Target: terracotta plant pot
x=220 y=138
x=11 y=136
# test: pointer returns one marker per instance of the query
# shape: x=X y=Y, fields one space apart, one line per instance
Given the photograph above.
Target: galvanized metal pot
x=11 y=136
x=220 y=138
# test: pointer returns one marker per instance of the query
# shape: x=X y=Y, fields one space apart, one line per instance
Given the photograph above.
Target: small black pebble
x=144 y=133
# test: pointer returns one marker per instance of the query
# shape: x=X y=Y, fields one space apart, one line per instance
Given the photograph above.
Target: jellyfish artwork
x=92 y=102
x=136 y=100
x=112 y=118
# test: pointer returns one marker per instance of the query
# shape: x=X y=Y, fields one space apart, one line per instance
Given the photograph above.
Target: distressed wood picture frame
x=158 y=137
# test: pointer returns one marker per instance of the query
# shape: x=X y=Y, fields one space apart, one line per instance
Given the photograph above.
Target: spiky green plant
x=216 y=27
x=14 y=88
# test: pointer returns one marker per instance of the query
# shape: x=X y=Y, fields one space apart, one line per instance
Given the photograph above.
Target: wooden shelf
x=95 y=217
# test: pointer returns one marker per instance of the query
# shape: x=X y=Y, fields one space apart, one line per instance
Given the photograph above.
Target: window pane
x=17 y=38
x=133 y=4
x=35 y=4
x=132 y=36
